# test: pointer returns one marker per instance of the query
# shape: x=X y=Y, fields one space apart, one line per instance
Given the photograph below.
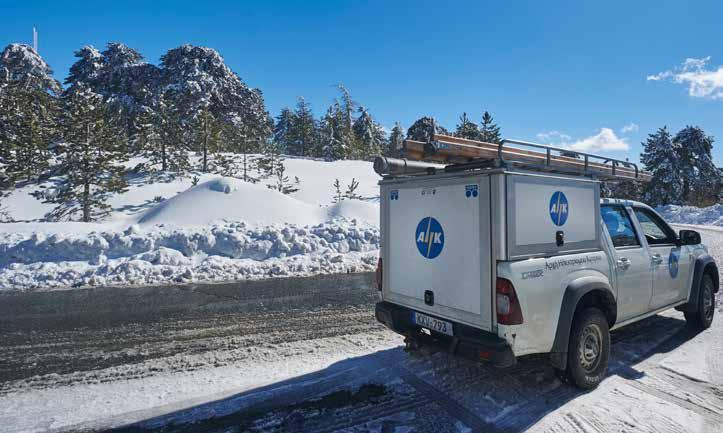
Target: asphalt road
x=44 y=336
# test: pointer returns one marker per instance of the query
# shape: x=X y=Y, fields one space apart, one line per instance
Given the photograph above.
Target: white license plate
x=433 y=324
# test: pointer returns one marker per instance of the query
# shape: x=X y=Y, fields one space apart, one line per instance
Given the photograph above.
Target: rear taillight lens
x=378 y=275
x=508 y=306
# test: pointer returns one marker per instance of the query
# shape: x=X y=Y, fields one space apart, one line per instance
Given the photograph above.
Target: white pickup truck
x=500 y=262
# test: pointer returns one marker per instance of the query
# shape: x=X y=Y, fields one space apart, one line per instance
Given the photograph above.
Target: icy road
x=298 y=355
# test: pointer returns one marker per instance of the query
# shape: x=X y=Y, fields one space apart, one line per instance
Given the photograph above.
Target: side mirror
x=689 y=237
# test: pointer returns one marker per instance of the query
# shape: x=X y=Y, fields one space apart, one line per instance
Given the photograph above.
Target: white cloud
x=605 y=140
x=630 y=127
x=701 y=82
x=553 y=137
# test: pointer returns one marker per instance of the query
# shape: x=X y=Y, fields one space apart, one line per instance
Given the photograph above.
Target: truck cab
x=498 y=262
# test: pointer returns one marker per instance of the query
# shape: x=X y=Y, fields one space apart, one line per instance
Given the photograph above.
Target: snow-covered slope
x=166 y=229
x=709 y=216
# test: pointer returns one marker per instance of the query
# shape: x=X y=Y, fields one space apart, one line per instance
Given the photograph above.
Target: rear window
x=619 y=226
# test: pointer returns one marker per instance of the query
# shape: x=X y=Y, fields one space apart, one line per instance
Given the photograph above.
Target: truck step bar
x=459 y=154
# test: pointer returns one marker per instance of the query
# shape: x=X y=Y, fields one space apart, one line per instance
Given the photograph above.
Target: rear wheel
x=702 y=317
x=589 y=349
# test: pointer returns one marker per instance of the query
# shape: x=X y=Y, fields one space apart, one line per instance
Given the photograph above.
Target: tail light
x=508 y=306
x=378 y=275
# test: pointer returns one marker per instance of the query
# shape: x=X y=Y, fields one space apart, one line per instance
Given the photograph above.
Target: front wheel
x=589 y=349
x=702 y=317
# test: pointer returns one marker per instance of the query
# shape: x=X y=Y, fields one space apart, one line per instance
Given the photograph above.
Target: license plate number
x=433 y=324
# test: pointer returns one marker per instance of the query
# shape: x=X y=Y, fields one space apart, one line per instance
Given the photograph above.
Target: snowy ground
x=163 y=229
x=274 y=357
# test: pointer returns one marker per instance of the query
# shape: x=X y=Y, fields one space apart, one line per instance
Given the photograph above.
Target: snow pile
x=708 y=216
x=217 y=252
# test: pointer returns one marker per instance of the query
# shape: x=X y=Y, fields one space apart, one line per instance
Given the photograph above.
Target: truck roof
x=625 y=202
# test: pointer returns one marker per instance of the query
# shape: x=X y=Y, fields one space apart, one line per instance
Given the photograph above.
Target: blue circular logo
x=673 y=259
x=429 y=237
x=559 y=208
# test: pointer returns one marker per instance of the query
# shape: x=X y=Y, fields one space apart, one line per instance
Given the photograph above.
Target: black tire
x=702 y=317
x=588 y=351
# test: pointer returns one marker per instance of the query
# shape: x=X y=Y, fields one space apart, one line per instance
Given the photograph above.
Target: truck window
x=619 y=226
x=655 y=230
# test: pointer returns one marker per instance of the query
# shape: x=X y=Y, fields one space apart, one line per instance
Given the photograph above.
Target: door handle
x=623 y=263
x=657 y=259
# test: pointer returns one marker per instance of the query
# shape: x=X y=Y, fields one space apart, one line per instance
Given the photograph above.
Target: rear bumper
x=467 y=342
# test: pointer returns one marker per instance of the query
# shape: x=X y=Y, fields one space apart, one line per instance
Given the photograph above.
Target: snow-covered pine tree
x=466 y=128
x=283 y=128
x=91 y=158
x=627 y=190
x=488 y=129
x=332 y=139
x=660 y=157
x=199 y=77
x=28 y=113
x=369 y=136
x=423 y=129
x=394 y=145
x=702 y=182
x=303 y=130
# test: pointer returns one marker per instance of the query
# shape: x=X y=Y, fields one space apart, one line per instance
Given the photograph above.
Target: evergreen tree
x=702 y=183
x=208 y=135
x=467 y=129
x=332 y=134
x=395 y=142
x=660 y=157
x=489 y=131
x=28 y=124
x=245 y=166
x=283 y=129
x=282 y=182
x=369 y=137
x=271 y=160
x=303 y=130
x=424 y=128
x=90 y=158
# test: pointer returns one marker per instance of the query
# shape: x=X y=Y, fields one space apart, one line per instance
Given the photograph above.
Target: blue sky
x=553 y=71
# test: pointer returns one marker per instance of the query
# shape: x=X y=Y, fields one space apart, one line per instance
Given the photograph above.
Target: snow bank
x=708 y=216
x=216 y=252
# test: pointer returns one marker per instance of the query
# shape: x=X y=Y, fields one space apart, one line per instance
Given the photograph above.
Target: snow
x=165 y=229
x=710 y=216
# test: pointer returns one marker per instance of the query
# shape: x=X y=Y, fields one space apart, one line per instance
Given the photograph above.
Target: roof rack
x=464 y=154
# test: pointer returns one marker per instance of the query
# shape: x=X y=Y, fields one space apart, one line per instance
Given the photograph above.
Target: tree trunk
x=205 y=142
x=164 y=165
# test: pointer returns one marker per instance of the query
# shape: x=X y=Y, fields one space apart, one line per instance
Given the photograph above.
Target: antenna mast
x=35 y=39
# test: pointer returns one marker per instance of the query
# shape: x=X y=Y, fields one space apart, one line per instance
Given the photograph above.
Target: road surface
x=306 y=355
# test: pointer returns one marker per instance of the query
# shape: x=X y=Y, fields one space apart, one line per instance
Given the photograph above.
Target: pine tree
x=90 y=158
x=369 y=137
x=660 y=157
x=350 y=192
x=467 y=129
x=332 y=138
x=702 y=183
x=282 y=182
x=338 y=195
x=395 y=142
x=303 y=135
x=28 y=124
x=489 y=131
x=207 y=135
x=271 y=160
x=239 y=143
x=424 y=128
x=283 y=129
